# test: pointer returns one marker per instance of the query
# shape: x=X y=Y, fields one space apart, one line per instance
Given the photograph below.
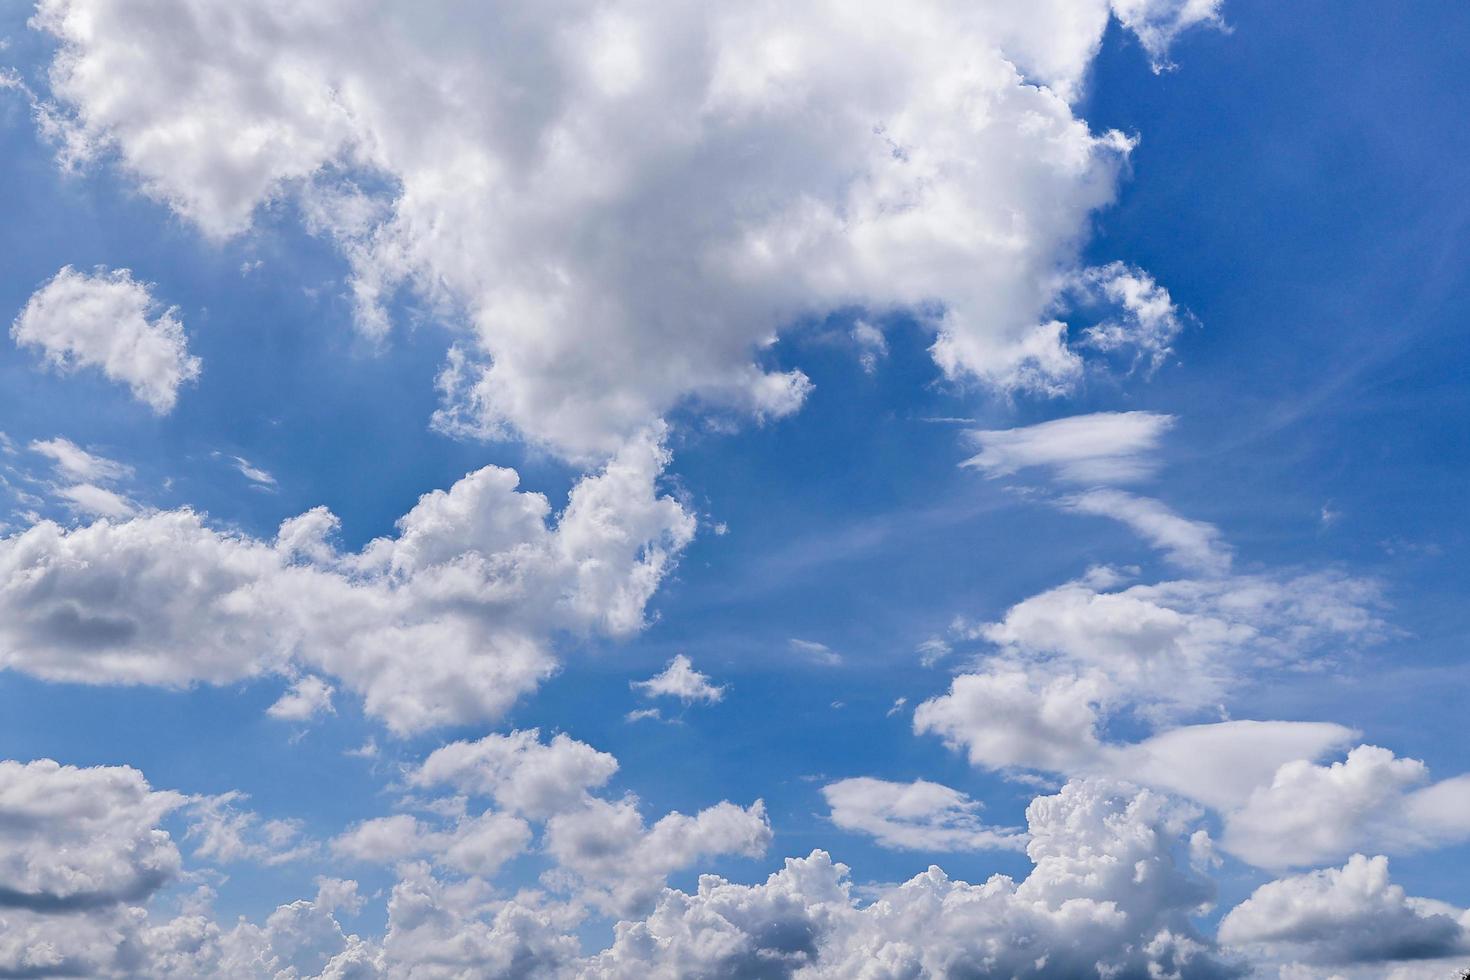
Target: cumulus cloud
x=1069 y=658
x=1348 y=915
x=480 y=574
x=476 y=845
x=1372 y=799
x=753 y=166
x=1104 y=447
x=1106 y=897
x=111 y=322
x=680 y=680
x=622 y=865
x=519 y=771
x=76 y=839
x=916 y=816
x=308 y=697
x=1110 y=893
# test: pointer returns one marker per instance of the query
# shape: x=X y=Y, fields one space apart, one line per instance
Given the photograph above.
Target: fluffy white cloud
x=519 y=771
x=751 y=165
x=1104 y=447
x=76 y=839
x=1073 y=656
x=479 y=575
x=621 y=864
x=1221 y=765
x=916 y=816
x=1352 y=914
x=1106 y=898
x=103 y=321
x=78 y=849
x=472 y=846
x=441 y=930
x=1371 y=800
x=300 y=940
x=1011 y=717
x=308 y=697
x=680 y=680
x=1148 y=320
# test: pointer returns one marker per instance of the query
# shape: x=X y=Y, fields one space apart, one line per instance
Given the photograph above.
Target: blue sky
x=1295 y=200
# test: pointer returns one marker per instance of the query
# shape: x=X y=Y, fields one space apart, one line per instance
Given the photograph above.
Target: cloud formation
x=1104 y=447
x=916 y=816
x=680 y=680
x=1348 y=915
x=480 y=574
x=753 y=166
x=111 y=322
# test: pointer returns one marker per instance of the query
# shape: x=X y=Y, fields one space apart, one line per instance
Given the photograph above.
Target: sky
x=659 y=490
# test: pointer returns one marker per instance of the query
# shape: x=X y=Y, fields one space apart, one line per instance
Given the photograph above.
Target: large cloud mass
x=449 y=621
x=625 y=201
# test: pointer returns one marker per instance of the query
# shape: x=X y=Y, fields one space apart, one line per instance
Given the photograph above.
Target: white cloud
x=81 y=852
x=1194 y=545
x=754 y=165
x=476 y=845
x=643 y=714
x=817 y=653
x=103 y=321
x=95 y=501
x=1104 y=447
x=250 y=471
x=1347 y=915
x=462 y=929
x=226 y=834
x=1371 y=800
x=1106 y=897
x=1149 y=320
x=1071 y=657
x=308 y=697
x=479 y=574
x=519 y=771
x=1158 y=22
x=301 y=939
x=1220 y=765
x=680 y=680
x=621 y=865
x=76 y=463
x=871 y=345
x=916 y=816
x=77 y=839
x=88 y=497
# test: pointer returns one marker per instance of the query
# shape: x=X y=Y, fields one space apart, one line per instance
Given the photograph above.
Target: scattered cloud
x=814 y=652
x=916 y=816
x=680 y=680
x=1105 y=447
x=109 y=321
x=308 y=697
